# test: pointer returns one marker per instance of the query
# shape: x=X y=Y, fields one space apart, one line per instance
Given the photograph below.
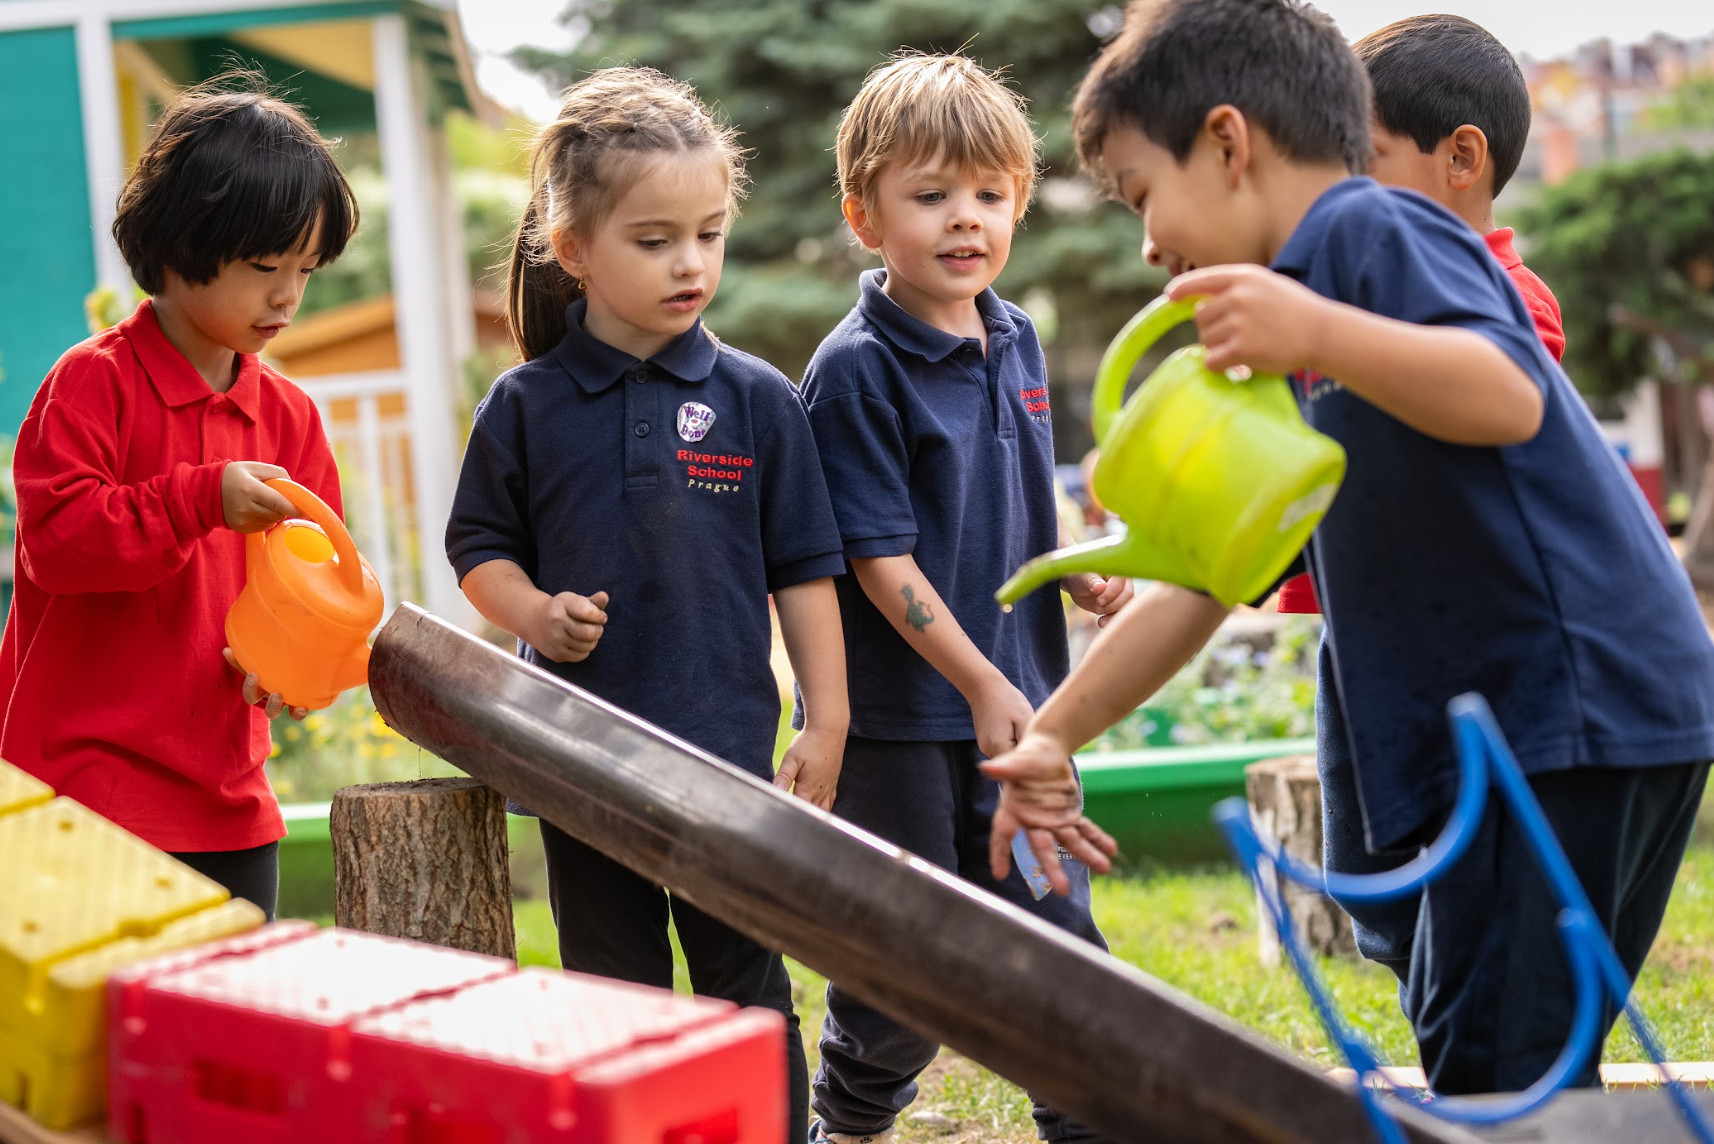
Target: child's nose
x=1151 y=252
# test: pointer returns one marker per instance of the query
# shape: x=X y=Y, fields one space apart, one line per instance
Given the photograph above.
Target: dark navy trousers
x=1483 y=976
x=252 y=874
x=613 y=923
x=929 y=799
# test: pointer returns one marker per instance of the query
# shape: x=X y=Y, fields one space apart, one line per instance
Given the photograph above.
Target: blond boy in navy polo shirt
x=931 y=414
x=1486 y=538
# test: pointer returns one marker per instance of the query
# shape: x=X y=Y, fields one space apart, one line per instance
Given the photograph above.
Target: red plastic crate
x=570 y=1059
x=248 y=1040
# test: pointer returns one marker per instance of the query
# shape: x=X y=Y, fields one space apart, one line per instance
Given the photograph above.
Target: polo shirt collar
x=174 y=378
x=595 y=365
x=1300 y=250
x=1500 y=245
x=913 y=335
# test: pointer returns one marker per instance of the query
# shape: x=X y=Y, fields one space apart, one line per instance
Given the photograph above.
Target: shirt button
x=641 y=429
x=639 y=375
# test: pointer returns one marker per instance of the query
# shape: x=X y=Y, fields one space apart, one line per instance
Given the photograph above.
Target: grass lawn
x=1196 y=931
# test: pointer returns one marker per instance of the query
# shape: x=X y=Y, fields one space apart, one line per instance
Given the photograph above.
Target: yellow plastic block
x=76 y=882
x=19 y=790
x=57 y=1092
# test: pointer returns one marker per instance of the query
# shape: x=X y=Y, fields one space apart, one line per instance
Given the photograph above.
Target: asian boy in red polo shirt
x=141 y=462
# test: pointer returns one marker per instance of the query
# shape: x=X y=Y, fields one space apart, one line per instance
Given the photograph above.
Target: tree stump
x=424 y=860
x=1285 y=802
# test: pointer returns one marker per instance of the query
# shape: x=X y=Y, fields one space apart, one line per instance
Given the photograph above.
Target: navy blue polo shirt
x=685 y=487
x=1533 y=573
x=934 y=450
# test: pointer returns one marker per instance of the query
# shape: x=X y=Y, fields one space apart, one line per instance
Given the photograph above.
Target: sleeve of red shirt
x=80 y=529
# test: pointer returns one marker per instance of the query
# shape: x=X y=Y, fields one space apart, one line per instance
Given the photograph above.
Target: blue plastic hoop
x=1483 y=757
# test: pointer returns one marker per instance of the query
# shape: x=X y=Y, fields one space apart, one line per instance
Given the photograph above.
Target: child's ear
x=569 y=252
x=1226 y=127
x=1469 y=155
x=858 y=219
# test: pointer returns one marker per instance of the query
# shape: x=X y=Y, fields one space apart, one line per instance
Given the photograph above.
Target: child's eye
x=263 y=268
x=993 y=196
x=651 y=243
x=929 y=198
x=712 y=235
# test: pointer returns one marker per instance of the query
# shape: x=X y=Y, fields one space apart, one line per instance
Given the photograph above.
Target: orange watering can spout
x=302 y=622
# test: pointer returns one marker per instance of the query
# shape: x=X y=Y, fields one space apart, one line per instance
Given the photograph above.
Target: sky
x=1539 y=28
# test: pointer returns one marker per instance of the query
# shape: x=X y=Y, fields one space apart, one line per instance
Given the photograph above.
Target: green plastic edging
x=1157 y=802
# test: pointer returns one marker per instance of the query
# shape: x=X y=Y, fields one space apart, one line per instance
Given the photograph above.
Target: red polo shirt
x=1298 y=593
x=112 y=685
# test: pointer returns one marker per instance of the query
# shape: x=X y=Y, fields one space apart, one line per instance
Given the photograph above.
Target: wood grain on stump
x=1285 y=803
x=424 y=860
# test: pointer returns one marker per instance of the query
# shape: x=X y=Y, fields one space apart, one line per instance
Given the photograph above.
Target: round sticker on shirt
x=694 y=420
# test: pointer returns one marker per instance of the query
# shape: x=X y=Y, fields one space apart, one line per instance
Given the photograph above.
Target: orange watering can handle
x=1127 y=349
x=315 y=509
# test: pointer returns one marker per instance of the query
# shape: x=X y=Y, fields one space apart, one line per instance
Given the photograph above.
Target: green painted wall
x=47 y=256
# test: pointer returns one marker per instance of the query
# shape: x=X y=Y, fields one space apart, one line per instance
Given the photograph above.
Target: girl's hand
x=1001 y=712
x=1254 y=317
x=810 y=767
x=566 y=627
x=247 y=504
x=1102 y=596
x=270 y=702
x=1039 y=795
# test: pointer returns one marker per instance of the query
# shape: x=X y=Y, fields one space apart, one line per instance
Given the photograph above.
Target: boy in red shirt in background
x=1452 y=112
x=141 y=462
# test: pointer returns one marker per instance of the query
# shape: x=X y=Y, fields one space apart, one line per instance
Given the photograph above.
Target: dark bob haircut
x=1280 y=62
x=1433 y=74
x=232 y=173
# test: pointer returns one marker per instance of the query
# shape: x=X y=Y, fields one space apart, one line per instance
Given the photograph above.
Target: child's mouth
x=963 y=257
x=688 y=300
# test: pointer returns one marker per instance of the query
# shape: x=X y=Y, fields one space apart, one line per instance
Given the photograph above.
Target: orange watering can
x=1218 y=480
x=302 y=622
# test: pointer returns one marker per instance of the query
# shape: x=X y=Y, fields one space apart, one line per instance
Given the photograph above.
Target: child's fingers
x=787 y=774
x=1000 y=843
x=1203 y=280
x=274 y=705
x=586 y=610
x=298 y=713
x=272 y=502
x=1046 y=850
x=251 y=689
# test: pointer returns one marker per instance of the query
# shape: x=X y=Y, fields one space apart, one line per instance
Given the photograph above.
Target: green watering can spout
x=1219 y=479
x=1130 y=555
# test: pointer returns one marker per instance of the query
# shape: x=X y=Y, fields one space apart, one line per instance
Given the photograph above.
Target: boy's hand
x=1254 y=317
x=247 y=503
x=1101 y=595
x=567 y=627
x=1001 y=713
x=1039 y=795
x=810 y=767
x=270 y=702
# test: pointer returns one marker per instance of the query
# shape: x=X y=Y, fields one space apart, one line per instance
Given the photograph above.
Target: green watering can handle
x=1127 y=349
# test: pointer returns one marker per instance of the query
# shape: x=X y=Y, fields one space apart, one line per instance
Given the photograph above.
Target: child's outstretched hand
x=1101 y=595
x=810 y=767
x=270 y=702
x=567 y=627
x=250 y=505
x=1254 y=317
x=1039 y=795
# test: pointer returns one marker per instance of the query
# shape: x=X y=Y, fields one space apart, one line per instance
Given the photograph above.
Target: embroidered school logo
x=694 y=421
x=1314 y=385
x=1036 y=404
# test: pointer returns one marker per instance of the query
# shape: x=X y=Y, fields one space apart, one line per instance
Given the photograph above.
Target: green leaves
x=1629 y=250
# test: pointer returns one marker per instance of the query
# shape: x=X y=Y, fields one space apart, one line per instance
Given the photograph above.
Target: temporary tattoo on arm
x=919 y=614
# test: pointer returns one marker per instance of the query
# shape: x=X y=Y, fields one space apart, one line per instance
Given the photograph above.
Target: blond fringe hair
x=918 y=106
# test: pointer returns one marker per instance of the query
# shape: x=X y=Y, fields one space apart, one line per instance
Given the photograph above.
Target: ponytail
x=581 y=165
x=538 y=289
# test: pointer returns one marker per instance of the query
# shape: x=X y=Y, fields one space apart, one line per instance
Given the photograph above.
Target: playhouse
x=80 y=83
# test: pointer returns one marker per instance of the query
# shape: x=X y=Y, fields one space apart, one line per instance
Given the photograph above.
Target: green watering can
x=1219 y=482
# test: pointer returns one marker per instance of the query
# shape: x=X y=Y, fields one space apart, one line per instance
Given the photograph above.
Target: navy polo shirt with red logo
x=687 y=488
x=936 y=451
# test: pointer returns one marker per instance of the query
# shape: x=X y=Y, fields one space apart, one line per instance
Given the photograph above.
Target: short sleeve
x=490 y=506
x=864 y=455
x=1436 y=272
x=800 y=540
